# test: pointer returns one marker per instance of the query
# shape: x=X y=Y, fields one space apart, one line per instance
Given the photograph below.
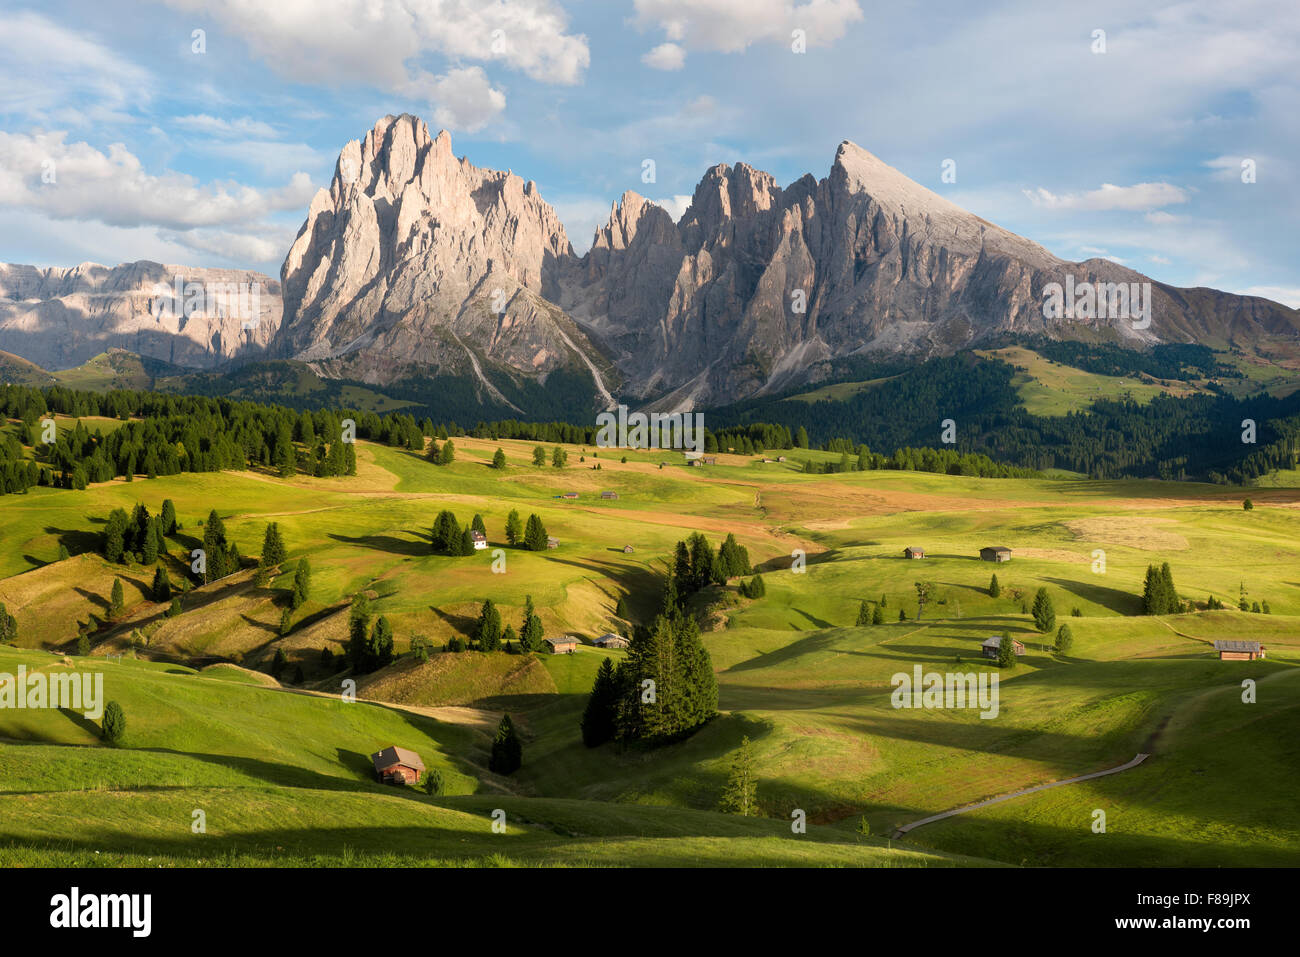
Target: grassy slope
x=806 y=686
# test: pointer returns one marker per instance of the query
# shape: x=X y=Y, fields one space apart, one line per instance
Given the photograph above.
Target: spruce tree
x=301 y=584
x=1064 y=640
x=1044 y=611
x=273 y=550
x=278 y=664
x=535 y=537
x=507 y=750
x=286 y=622
x=514 y=528
x=168 y=517
x=598 y=718
x=878 y=616
x=864 y=614
x=488 y=630
x=740 y=796
x=358 y=632
x=161 y=589
x=380 y=652
x=1006 y=652
x=112 y=727
x=994 y=588
x=117 y=602
x=531 y=634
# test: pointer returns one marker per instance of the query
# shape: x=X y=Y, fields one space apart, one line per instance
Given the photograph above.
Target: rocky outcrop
x=201 y=318
x=758 y=287
x=414 y=262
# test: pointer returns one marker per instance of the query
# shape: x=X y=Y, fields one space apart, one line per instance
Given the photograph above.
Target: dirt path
x=1007 y=797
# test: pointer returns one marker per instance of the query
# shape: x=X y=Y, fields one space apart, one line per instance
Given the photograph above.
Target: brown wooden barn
x=991 y=646
x=995 y=553
x=395 y=765
x=913 y=552
x=1240 y=650
x=564 y=645
x=610 y=640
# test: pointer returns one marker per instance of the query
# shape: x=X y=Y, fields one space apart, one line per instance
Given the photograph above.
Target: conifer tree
x=535 y=537
x=358 y=632
x=273 y=550
x=539 y=456
x=301 y=584
x=531 y=634
x=1064 y=640
x=507 y=750
x=994 y=588
x=488 y=630
x=514 y=528
x=112 y=726
x=286 y=622
x=864 y=614
x=381 y=645
x=598 y=718
x=161 y=589
x=740 y=796
x=499 y=459
x=168 y=517
x=117 y=602
x=1006 y=652
x=1044 y=611
x=878 y=616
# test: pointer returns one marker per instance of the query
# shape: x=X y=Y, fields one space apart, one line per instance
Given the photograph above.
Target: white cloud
x=1143 y=196
x=1160 y=260
x=730 y=26
x=377 y=42
x=1287 y=295
x=113 y=187
x=676 y=205
x=463 y=100
x=53 y=75
x=262 y=246
x=666 y=56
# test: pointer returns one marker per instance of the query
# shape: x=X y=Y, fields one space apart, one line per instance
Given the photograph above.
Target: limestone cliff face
x=416 y=263
x=201 y=318
x=757 y=286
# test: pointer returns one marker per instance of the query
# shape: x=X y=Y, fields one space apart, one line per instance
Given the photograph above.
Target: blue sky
x=121 y=140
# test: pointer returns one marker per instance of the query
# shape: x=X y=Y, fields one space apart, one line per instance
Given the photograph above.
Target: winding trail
x=1007 y=797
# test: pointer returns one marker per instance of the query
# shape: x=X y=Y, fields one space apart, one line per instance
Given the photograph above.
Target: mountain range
x=416 y=266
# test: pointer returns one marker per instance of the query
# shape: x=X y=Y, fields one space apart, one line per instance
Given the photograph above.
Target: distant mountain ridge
x=61 y=317
x=419 y=269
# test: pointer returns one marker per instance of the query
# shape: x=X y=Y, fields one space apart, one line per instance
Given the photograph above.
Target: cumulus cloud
x=730 y=26
x=76 y=181
x=676 y=205
x=377 y=42
x=1142 y=196
x=666 y=56
x=464 y=99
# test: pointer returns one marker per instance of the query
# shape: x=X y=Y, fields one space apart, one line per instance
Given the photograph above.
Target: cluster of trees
x=870 y=613
x=696 y=565
x=164 y=435
x=662 y=691
x=1159 y=596
x=369 y=648
x=138 y=536
x=448 y=538
x=488 y=634
x=754 y=588
x=1170 y=437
